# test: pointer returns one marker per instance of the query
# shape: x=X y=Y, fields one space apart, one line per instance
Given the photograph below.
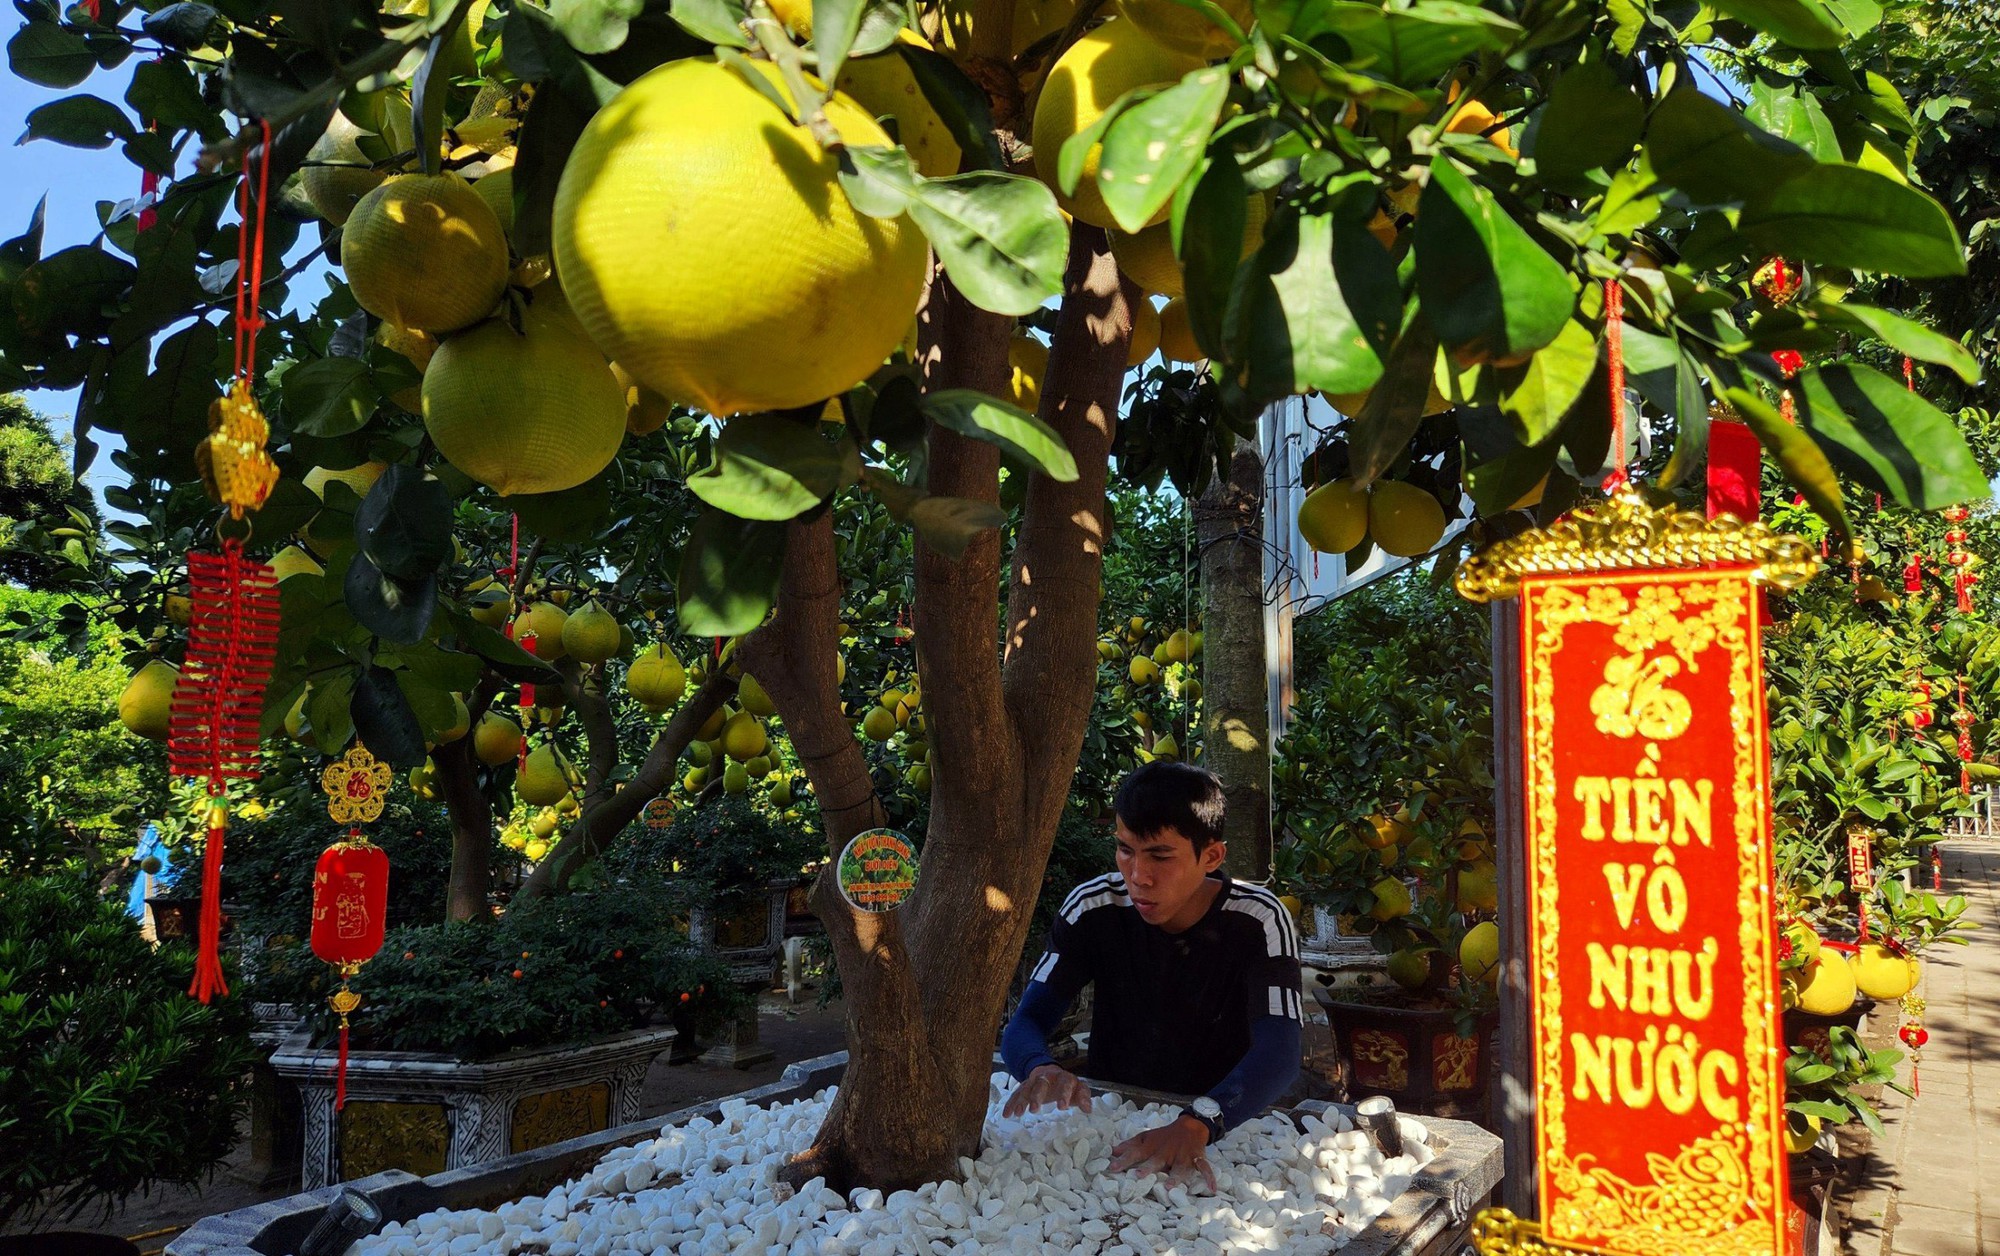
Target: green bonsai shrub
x=111 y=1078
x=722 y=854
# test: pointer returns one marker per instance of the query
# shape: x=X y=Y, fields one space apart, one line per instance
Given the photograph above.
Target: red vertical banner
x=1658 y=1069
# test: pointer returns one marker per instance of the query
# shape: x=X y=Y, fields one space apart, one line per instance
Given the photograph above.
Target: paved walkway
x=1934 y=1186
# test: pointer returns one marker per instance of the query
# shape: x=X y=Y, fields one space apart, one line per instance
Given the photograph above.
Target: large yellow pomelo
x=1085 y=81
x=417 y=347
x=496 y=739
x=293 y=561
x=1034 y=20
x=1177 y=342
x=1404 y=519
x=1479 y=886
x=461 y=722
x=544 y=621
x=743 y=738
x=424 y=251
x=754 y=699
x=496 y=188
x=1410 y=968
x=1334 y=517
x=1384 y=832
x=796 y=15
x=591 y=635
x=1145 y=332
x=1881 y=973
x=1392 y=899
x=543 y=779
x=708 y=249
x=879 y=724
x=532 y=411
x=1186 y=29
x=337 y=174
x=1148 y=260
x=145 y=704
x=884 y=86
x=1028 y=363
x=646 y=411
x=1826 y=987
x=656 y=679
x=1479 y=952
x=360 y=479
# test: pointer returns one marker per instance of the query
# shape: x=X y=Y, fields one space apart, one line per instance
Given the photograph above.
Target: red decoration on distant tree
x=1964 y=719
x=350 y=887
x=1778 y=281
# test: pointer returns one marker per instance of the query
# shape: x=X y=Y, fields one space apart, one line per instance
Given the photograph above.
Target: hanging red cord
x=1614 y=339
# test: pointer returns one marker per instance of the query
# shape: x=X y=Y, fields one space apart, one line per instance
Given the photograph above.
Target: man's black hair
x=1168 y=795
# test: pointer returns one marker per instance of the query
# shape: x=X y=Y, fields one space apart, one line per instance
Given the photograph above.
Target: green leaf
x=1592 y=121
x=1537 y=394
x=835 y=24
x=1690 y=409
x=729 y=574
x=290 y=506
x=879 y=182
x=1410 y=47
x=384 y=721
x=185 y=25
x=1324 y=304
x=1841 y=215
x=50 y=55
x=1889 y=438
x=537 y=51
x=594 y=26
x=431 y=703
x=1209 y=219
x=506 y=658
x=713 y=21
x=1800 y=23
x=567 y=516
x=1076 y=150
x=1794 y=115
x=958 y=101
x=949 y=524
x=329 y=710
x=328 y=396
x=404 y=524
x=166 y=92
x=69 y=291
x=1713 y=155
x=1496 y=484
x=1905 y=336
x=444 y=669
x=1155 y=144
x=79 y=122
x=395 y=610
x=1489 y=291
x=547 y=137
x=999 y=236
x=1632 y=201
x=973 y=414
x=1395 y=406
x=1857 y=16
x=1805 y=465
x=769 y=467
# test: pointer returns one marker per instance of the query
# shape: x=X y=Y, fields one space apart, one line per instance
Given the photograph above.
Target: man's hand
x=1171 y=1149
x=1048 y=1084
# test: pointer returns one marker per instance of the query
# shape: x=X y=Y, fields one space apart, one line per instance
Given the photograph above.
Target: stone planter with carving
x=425 y=1112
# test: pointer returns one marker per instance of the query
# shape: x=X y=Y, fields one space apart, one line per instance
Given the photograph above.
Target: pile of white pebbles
x=1041 y=1185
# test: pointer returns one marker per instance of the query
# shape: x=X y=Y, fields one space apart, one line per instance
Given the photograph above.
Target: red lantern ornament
x=1778 y=280
x=1964 y=719
x=350 y=887
x=1914 y=1036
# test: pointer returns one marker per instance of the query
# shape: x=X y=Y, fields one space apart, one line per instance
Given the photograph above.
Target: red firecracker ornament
x=1963 y=719
x=350 y=887
x=1914 y=1036
x=1958 y=556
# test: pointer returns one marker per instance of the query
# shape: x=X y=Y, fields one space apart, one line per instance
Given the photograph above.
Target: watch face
x=1207 y=1107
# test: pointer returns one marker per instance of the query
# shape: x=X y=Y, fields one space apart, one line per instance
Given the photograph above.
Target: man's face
x=1163 y=874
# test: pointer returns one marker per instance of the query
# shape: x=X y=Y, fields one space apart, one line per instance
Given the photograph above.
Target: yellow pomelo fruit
x=1881 y=973
x=1028 y=359
x=884 y=86
x=360 y=479
x=591 y=635
x=672 y=188
x=423 y=779
x=337 y=173
x=646 y=411
x=1392 y=899
x=461 y=722
x=1384 y=832
x=418 y=348
x=1410 y=968
x=1479 y=952
x=1293 y=904
x=711 y=728
x=1801 y=1132
x=1167 y=748
x=496 y=740
x=1143 y=671
x=879 y=724
x=743 y=738
x=1826 y=987
x=545 y=622
x=1147 y=258
x=735 y=779
x=145 y=704
x=759 y=767
x=293 y=561
x=1404 y=519
x=1805 y=942
x=1179 y=646
x=781 y=794
x=1176 y=336
x=699 y=753
x=1475 y=118
x=1145 y=333
x=1034 y=20
x=797 y=16
x=656 y=679
x=492 y=607
x=543 y=779
x=295 y=719
x=179 y=608
x=425 y=252
x=751 y=696
x=1479 y=887
x=1086 y=80
x=535 y=849
x=496 y=188
x=1334 y=517
x=1184 y=29
x=532 y=411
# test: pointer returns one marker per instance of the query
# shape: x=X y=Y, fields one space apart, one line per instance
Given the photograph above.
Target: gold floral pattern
x=356 y=786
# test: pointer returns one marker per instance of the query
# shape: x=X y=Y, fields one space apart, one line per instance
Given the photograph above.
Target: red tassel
x=340 y=1070
x=1614 y=342
x=1735 y=460
x=1913 y=576
x=1963 y=584
x=208 y=981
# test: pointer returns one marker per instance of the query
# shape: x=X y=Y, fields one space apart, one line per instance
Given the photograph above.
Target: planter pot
x=1430 y=1218
x=1803 y=1029
x=176 y=919
x=425 y=1112
x=1413 y=1055
x=746 y=938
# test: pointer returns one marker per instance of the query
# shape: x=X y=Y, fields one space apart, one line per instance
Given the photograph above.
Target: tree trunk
x=471 y=831
x=1236 y=721
x=925 y=986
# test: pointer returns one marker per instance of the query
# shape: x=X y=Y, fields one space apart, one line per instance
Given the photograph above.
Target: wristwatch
x=1209 y=1113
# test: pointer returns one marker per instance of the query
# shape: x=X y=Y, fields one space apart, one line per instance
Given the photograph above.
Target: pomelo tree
x=1414 y=208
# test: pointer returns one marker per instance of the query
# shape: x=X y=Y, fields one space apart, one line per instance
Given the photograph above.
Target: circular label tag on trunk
x=877 y=870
